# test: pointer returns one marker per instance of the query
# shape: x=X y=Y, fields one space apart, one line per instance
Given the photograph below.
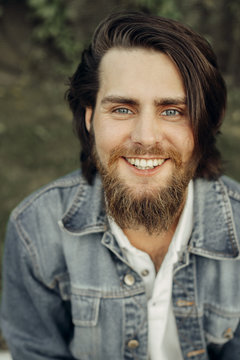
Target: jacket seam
x=220 y=312
x=31 y=255
x=75 y=203
x=230 y=221
x=18 y=211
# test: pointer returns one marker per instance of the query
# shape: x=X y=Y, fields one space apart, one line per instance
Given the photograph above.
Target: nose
x=146 y=130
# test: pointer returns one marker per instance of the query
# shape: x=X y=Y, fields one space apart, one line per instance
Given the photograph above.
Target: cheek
x=188 y=145
x=108 y=137
x=183 y=141
x=105 y=141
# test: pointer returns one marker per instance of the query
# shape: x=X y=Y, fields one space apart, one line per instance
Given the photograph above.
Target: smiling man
x=137 y=255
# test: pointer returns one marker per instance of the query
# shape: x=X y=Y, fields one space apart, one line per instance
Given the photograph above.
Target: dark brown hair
x=193 y=56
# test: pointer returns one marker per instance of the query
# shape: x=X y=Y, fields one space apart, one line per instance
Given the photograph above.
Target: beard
x=155 y=208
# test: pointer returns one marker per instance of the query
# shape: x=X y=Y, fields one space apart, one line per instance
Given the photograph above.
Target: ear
x=88 y=118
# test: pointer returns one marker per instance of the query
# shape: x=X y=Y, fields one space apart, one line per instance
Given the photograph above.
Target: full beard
x=155 y=208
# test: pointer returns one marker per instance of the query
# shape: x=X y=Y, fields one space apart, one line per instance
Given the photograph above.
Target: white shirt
x=162 y=338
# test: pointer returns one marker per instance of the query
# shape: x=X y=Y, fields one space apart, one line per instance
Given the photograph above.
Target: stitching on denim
x=108 y=294
x=230 y=222
x=89 y=229
x=29 y=248
x=93 y=321
x=221 y=312
x=32 y=252
x=75 y=203
x=210 y=254
x=20 y=209
x=194 y=260
x=233 y=194
x=211 y=338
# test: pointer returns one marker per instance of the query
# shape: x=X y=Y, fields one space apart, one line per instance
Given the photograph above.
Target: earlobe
x=88 y=118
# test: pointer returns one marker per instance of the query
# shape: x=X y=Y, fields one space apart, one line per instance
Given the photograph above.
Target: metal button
x=107 y=240
x=228 y=334
x=133 y=344
x=145 y=272
x=129 y=279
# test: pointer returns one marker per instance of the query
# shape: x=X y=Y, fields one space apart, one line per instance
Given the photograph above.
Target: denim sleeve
x=35 y=321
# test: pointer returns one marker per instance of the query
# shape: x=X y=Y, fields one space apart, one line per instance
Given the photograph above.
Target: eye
x=123 y=111
x=171 y=112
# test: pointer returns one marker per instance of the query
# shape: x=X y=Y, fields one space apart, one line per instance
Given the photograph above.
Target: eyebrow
x=171 y=101
x=131 y=101
x=119 y=99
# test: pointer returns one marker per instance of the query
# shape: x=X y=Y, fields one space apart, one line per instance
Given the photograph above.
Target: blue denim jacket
x=66 y=294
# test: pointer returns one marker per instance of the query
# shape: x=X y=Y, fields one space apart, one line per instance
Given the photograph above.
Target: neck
x=155 y=245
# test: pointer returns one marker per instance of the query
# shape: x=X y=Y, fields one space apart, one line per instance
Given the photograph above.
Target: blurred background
x=40 y=46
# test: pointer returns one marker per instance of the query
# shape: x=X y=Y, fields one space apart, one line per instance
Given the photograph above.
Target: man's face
x=140 y=123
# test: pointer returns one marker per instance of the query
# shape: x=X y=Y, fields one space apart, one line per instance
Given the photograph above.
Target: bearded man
x=137 y=255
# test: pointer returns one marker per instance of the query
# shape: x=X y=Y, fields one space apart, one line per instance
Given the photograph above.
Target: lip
x=144 y=157
x=146 y=172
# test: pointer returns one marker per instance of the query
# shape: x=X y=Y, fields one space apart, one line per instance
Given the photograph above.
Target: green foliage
x=53 y=25
x=166 y=8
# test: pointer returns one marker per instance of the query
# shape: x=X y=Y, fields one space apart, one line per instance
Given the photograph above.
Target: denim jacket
x=69 y=293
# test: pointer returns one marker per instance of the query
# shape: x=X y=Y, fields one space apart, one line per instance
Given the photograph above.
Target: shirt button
x=145 y=272
x=129 y=279
x=133 y=344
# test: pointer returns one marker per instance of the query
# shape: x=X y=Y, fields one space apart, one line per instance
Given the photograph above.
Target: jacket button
x=228 y=334
x=133 y=344
x=145 y=272
x=129 y=279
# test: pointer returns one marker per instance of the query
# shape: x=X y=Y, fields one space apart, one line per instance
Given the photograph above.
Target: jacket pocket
x=85 y=314
x=219 y=327
x=85 y=310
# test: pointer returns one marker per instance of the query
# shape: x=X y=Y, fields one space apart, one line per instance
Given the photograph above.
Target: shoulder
x=232 y=187
x=35 y=220
x=33 y=231
x=57 y=196
x=223 y=186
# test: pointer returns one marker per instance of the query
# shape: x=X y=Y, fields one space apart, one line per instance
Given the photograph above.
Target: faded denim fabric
x=69 y=293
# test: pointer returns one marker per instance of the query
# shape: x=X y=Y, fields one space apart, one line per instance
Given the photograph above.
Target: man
x=137 y=256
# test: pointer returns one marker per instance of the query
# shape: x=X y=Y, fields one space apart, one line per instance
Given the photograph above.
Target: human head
x=195 y=60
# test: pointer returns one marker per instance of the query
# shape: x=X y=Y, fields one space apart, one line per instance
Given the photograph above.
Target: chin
x=144 y=191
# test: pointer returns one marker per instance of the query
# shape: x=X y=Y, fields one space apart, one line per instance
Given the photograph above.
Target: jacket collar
x=86 y=213
x=214 y=234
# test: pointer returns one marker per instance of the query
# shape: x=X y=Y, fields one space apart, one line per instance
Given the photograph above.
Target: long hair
x=195 y=60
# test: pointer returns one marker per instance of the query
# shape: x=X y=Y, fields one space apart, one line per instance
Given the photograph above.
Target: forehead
x=144 y=72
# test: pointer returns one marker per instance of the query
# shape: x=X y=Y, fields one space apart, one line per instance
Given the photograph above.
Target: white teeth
x=144 y=164
x=150 y=163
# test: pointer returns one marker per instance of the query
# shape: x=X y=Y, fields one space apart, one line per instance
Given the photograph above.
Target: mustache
x=138 y=150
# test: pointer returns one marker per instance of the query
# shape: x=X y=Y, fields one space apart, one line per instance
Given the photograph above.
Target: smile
x=145 y=164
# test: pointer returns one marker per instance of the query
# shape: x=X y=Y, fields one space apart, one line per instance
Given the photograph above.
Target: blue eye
x=170 y=112
x=123 y=111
